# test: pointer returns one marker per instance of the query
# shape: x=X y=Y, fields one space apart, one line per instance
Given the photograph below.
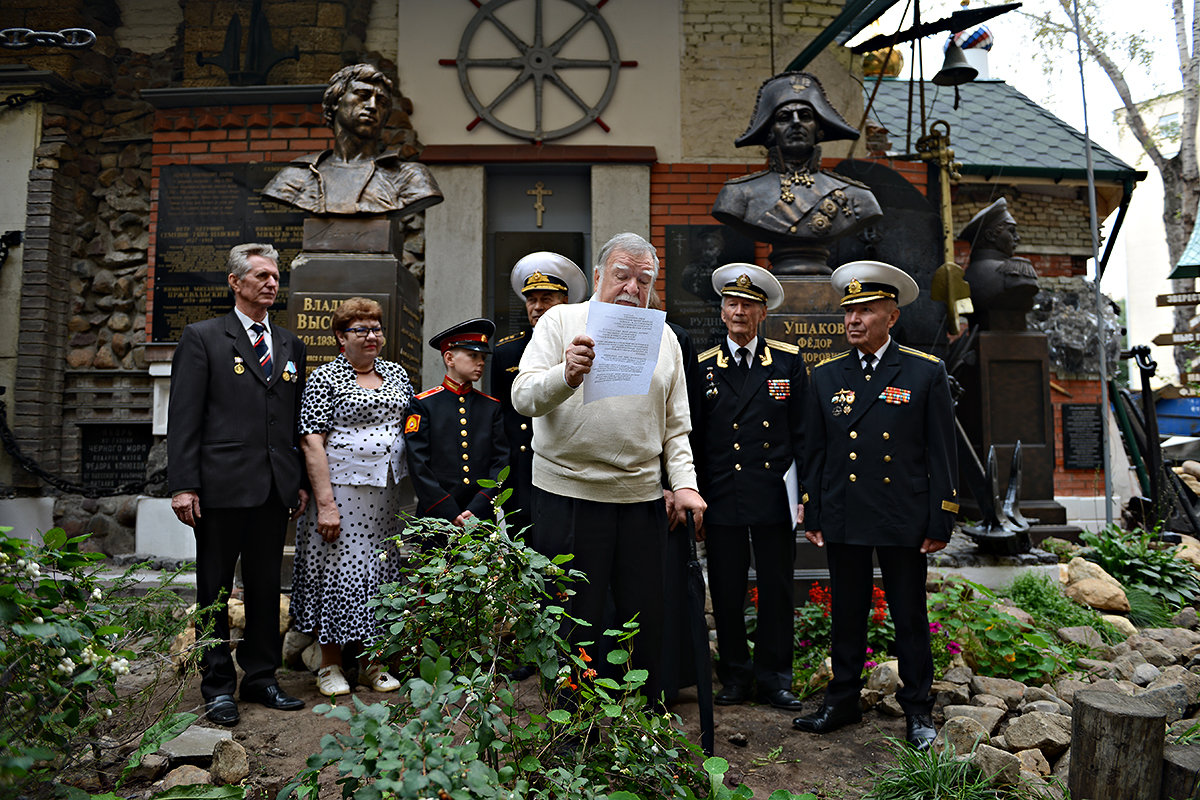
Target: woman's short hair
x=354 y=309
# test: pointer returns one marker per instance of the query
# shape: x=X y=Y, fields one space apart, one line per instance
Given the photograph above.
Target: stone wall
x=1051 y=221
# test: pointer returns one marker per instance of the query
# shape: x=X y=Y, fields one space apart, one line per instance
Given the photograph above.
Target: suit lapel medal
x=895 y=396
x=779 y=388
x=289 y=371
x=711 y=391
x=842 y=401
x=238 y=366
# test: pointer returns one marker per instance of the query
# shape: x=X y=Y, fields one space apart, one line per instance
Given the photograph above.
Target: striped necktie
x=260 y=347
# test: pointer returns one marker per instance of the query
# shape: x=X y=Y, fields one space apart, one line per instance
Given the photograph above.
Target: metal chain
x=70 y=487
x=68 y=38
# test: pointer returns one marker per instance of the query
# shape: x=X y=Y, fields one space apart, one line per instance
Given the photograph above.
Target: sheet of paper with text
x=627 y=343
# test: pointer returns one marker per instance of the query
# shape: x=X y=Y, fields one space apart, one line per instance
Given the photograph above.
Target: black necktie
x=260 y=347
x=867 y=362
x=743 y=359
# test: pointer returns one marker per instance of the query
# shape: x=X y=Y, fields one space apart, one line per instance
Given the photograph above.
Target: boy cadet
x=454 y=434
x=542 y=280
x=750 y=434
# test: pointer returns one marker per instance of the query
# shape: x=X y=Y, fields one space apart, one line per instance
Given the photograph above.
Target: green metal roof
x=1188 y=265
x=996 y=131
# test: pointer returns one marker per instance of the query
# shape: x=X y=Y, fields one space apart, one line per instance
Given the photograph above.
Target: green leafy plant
x=1147 y=610
x=717 y=790
x=993 y=642
x=932 y=775
x=66 y=638
x=474 y=604
x=1043 y=598
x=1139 y=561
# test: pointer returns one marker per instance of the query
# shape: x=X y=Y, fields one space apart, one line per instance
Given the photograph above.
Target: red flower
x=754 y=596
x=879 y=607
x=583 y=655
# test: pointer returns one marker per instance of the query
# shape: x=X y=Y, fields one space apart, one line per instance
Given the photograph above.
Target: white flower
x=32 y=570
x=96 y=593
x=38 y=620
x=20 y=563
x=383 y=556
x=121 y=666
x=66 y=666
x=653 y=748
x=59 y=651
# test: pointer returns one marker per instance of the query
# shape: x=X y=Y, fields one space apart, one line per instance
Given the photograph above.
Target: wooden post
x=1116 y=747
x=1181 y=768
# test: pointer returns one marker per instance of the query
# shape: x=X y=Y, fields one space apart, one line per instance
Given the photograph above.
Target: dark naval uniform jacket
x=751 y=432
x=880 y=459
x=453 y=440
x=518 y=429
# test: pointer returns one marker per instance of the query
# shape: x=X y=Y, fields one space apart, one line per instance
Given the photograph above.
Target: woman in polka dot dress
x=350 y=428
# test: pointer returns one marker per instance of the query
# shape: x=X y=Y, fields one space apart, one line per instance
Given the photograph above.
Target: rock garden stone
x=884 y=678
x=1000 y=767
x=1178 y=640
x=195 y=743
x=1065 y=688
x=988 y=701
x=1094 y=666
x=1178 y=674
x=1126 y=665
x=989 y=718
x=960 y=735
x=1044 y=706
x=1050 y=733
x=230 y=763
x=1172 y=700
x=1062 y=767
x=1080 y=569
x=1187 y=616
x=1155 y=652
x=186 y=775
x=151 y=768
x=1122 y=624
x=1145 y=674
x=961 y=675
x=1008 y=690
x=946 y=693
x=890 y=706
x=1034 y=761
x=1099 y=595
x=1021 y=616
x=1084 y=635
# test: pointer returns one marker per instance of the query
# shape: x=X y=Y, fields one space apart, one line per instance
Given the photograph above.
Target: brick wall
x=1053 y=221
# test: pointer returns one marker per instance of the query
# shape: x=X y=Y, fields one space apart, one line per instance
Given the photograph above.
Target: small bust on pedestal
x=356 y=177
x=794 y=205
x=1002 y=285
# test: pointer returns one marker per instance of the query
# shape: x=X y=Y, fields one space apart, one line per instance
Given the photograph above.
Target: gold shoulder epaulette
x=783 y=347
x=512 y=337
x=923 y=355
x=749 y=177
x=833 y=357
x=707 y=354
x=430 y=392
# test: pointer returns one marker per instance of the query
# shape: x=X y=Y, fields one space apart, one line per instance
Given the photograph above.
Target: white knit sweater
x=609 y=450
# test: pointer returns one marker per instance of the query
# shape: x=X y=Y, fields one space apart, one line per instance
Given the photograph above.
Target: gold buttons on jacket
x=766 y=445
x=854 y=456
x=466 y=468
x=735 y=426
x=853 y=477
x=522 y=448
x=462 y=433
x=462 y=410
x=737 y=446
x=464 y=444
x=887 y=459
x=886 y=435
x=463 y=420
x=887 y=480
x=467 y=481
x=853 y=434
x=766 y=424
x=465 y=456
x=738 y=467
x=524 y=426
x=766 y=465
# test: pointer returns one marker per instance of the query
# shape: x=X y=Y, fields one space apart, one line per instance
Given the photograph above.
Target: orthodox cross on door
x=539 y=191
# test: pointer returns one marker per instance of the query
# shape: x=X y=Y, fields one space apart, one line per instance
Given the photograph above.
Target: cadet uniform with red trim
x=454 y=437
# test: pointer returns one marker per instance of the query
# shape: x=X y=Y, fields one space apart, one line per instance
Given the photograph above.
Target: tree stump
x=1181 y=768
x=1116 y=747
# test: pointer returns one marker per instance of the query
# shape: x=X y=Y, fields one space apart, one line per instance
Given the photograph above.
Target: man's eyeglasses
x=363 y=333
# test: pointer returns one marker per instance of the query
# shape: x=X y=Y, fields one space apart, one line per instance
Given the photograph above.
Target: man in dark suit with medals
x=542 y=280
x=750 y=434
x=235 y=471
x=880 y=467
x=453 y=435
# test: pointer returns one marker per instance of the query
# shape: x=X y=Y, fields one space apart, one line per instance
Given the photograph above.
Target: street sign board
x=1170 y=339
x=1179 y=299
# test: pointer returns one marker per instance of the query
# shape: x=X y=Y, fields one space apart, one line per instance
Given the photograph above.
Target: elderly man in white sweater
x=597 y=468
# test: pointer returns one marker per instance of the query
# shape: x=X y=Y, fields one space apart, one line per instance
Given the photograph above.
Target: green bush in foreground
x=1139 y=561
x=1043 y=598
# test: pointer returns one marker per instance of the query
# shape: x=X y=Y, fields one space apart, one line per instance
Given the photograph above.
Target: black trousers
x=256 y=535
x=904 y=570
x=619 y=547
x=729 y=549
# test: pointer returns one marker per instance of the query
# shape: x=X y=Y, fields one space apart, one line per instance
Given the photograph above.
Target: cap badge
x=743 y=281
x=536 y=277
x=854 y=287
x=799 y=83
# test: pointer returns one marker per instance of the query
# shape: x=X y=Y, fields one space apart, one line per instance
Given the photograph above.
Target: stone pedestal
x=1006 y=399
x=344 y=258
x=809 y=318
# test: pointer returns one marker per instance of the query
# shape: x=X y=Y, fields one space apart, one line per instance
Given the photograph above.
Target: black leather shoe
x=919 y=731
x=274 y=697
x=732 y=694
x=780 y=698
x=829 y=718
x=222 y=710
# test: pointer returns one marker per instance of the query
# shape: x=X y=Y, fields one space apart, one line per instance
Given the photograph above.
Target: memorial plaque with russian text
x=203 y=211
x=693 y=252
x=1081 y=432
x=114 y=455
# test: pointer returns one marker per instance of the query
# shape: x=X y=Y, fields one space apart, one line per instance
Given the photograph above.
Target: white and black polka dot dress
x=332 y=581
